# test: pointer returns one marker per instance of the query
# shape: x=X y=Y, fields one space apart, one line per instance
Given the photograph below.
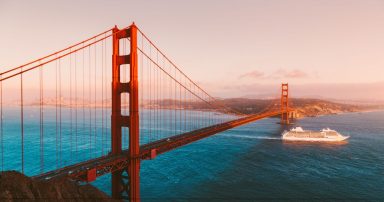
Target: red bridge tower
x=284 y=104
x=119 y=185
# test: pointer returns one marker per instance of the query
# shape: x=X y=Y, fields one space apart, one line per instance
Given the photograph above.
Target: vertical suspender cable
x=189 y=105
x=142 y=89
x=188 y=116
x=185 y=105
x=83 y=107
x=180 y=120
x=160 y=104
x=41 y=121
x=174 y=105
x=150 y=95
x=170 y=101
x=60 y=116
x=154 y=101
x=201 y=112
x=89 y=101
x=194 y=109
x=56 y=124
x=163 y=98
x=22 y=120
x=157 y=97
x=105 y=90
x=102 y=98
x=70 y=106
x=95 y=115
x=75 y=66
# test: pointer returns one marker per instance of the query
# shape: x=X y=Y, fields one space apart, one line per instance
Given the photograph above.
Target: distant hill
x=304 y=107
x=316 y=107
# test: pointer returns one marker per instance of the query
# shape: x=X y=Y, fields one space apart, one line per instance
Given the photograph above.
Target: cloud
x=253 y=74
x=296 y=73
x=280 y=73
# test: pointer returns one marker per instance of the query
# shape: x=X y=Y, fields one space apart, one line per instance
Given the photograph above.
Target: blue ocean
x=250 y=162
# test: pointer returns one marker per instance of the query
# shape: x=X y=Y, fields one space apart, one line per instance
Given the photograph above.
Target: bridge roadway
x=110 y=163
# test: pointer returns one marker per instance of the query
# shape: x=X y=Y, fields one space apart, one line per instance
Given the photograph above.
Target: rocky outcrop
x=15 y=186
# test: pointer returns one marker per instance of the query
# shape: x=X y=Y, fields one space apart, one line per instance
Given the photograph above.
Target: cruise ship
x=325 y=135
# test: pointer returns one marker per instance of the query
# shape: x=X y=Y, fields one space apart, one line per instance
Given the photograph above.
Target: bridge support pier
x=118 y=121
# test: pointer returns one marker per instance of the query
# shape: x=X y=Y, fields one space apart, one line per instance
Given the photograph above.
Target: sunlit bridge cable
x=55 y=53
x=178 y=69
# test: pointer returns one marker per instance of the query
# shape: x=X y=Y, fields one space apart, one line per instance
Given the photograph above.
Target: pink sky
x=327 y=48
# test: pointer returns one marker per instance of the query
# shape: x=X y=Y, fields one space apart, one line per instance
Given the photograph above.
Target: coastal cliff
x=15 y=186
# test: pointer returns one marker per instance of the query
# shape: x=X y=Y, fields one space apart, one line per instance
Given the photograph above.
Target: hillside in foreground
x=15 y=186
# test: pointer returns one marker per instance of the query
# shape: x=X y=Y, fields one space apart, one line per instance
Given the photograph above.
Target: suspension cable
x=55 y=53
x=175 y=66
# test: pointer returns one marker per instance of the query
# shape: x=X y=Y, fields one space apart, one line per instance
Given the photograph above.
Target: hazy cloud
x=296 y=73
x=280 y=73
x=253 y=74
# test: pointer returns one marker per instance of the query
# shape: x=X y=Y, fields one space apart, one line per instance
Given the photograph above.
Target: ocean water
x=79 y=134
x=252 y=163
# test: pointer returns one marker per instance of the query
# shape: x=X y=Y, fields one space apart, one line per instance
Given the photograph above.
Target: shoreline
x=343 y=113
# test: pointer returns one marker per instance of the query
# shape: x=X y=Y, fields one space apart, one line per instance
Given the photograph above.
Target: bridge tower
x=284 y=104
x=120 y=186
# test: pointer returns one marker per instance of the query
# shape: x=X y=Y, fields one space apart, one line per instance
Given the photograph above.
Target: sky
x=324 y=48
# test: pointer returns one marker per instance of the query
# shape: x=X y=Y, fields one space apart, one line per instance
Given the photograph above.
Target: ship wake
x=252 y=137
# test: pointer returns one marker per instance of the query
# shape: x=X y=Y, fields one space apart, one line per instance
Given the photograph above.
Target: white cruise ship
x=325 y=135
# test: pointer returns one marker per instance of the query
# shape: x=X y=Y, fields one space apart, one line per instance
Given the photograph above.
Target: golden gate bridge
x=94 y=114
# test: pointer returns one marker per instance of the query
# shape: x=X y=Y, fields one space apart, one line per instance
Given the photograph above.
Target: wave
x=253 y=137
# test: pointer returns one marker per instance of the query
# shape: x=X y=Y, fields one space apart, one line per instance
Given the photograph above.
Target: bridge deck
x=111 y=163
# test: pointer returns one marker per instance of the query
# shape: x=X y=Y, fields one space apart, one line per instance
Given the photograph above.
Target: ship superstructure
x=299 y=134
